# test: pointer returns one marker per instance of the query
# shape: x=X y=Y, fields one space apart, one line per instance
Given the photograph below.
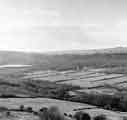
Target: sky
x=55 y=25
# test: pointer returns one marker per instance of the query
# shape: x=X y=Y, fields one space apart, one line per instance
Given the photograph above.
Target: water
x=14 y=66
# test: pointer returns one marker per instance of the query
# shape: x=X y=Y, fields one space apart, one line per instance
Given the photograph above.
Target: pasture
x=25 y=81
x=86 y=79
x=64 y=106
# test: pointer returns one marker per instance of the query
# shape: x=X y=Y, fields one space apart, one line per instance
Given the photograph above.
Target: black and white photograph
x=63 y=59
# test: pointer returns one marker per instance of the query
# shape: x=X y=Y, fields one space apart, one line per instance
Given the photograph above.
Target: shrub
x=52 y=113
x=85 y=116
x=65 y=114
x=82 y=116
x=100 y=117
x=21 y=107
x=70 y=116
x=55 y=113
x=8 y=113
x=35 y=113
x=77 y=115
x=3 y=109
x=43 y=109
x=29 y=109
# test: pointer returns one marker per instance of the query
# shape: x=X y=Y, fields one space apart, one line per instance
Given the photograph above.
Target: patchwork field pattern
x=88 y=79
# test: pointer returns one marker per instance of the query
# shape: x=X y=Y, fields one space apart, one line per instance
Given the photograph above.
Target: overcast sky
x=46 y=25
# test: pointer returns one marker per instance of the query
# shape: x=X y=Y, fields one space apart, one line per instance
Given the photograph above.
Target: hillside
x=72 y=76
x=114 y=57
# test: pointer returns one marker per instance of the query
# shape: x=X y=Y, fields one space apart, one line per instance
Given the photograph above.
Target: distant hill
x=64 y=60
x=92 y=51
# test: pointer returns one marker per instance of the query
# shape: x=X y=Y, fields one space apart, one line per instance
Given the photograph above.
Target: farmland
x=86 y=79
x=90 y=88
x=64 y=106
x=95 y=83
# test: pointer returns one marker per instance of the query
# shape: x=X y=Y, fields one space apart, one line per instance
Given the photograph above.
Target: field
x=87 y=79
x=28 y=82
x=18 y=116
x=65 y=107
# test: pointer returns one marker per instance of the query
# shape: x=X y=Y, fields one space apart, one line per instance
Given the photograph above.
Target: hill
x=113 y=57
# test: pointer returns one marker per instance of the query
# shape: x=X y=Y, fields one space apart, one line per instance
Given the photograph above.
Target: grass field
x=88 y=78
x=18 y=116
x=27 y=82
x=65 y=107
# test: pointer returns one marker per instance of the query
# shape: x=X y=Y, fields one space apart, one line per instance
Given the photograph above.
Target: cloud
x=58 y=24
x=105 y=34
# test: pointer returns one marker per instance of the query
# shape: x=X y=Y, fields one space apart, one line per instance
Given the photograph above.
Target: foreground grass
x=53 y=113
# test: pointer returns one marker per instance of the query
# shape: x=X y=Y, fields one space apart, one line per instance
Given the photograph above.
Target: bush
x=3 y=109
x=43 y=109
x=35 y=113
x=85 y=116
x=65 y=114
x=70 y=116
x=21 y=107
x=8 y=113
x=82 y=116
x=100 y=117
x=55 y=114
x=52 y=113
x=29 y=109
